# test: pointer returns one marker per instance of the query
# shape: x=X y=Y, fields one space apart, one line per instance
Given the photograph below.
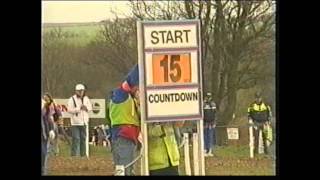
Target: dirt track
x=214 y=166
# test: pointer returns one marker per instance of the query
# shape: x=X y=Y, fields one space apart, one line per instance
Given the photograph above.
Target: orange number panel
x=173 y=68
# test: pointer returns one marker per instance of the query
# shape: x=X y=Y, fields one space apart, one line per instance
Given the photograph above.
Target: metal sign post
x=170 y=77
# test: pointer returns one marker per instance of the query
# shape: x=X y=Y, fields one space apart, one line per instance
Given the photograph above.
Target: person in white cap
x=79 y=106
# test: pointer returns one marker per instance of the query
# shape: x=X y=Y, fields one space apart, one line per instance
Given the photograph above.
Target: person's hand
x=140 y=141
x=83 y=107
x=140 y=138
x=51 y=135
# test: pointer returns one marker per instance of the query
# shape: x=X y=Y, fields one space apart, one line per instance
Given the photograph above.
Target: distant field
x=82 y=33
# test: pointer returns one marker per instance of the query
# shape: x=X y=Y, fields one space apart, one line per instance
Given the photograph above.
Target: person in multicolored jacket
x=125 y=121
x=124 y=111
x=47 y=131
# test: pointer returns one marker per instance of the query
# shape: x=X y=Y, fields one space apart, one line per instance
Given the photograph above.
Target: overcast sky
x=82 y=11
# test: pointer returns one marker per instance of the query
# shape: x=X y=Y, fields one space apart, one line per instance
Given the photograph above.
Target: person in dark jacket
x=209 y=120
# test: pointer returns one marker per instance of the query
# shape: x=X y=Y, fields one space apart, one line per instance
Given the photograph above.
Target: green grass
x=83 y=34
x=97 y=151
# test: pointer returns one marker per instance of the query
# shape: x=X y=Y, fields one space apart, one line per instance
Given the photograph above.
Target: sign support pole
x=143 y=124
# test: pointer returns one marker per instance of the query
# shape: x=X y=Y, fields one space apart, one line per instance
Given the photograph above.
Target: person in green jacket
x=163 y=149
x=125 y=123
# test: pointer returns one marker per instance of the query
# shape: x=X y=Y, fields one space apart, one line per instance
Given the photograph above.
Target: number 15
x=171 y=68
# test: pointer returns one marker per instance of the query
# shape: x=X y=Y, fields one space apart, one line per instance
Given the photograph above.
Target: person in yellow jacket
x=259 y=115
x=163 y=149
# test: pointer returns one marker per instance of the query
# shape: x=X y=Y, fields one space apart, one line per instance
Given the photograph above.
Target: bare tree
x=53 y=55
x=117 y=45
x=236 y=39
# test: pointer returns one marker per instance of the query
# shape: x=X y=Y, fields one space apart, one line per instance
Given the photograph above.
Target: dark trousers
x=169 y=171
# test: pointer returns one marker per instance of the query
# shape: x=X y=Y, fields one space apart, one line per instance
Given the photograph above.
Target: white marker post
x=200 y=147
x=170 y=75
x=251 y=141
x=87 y=140
x=261 y=145
x=186 y=154
x=195 y=146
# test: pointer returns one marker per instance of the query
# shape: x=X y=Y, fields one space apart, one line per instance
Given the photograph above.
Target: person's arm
x=214 y=109
x=86 y=106
x=57 y=110
x=215 y=118
x=51 y=124
x=269 y=114
x=249 y=115
x=71 y=108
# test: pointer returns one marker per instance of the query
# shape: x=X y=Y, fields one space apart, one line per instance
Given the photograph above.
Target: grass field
x=228 y=161
x=79 y=35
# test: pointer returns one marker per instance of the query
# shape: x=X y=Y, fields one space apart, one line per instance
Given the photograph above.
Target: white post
x=269 y=138
x=144 y=130
x=87 y=140
x=144 y=159
x=261 y=145
x=200 y=122
x=195 y=146
x=94 y=140
x=201 y=147
x=251 y=141
x=186 y=154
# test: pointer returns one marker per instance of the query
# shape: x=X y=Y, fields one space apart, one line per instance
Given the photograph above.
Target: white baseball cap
x=80 y=87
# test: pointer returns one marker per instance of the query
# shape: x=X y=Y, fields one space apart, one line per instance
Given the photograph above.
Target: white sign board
x=233 y=133
x=173 y=35
x=171 y=70
x=98 y=108
x=177 y=102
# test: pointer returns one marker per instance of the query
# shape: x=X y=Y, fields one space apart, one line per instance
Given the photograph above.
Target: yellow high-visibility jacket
x=162 y=146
